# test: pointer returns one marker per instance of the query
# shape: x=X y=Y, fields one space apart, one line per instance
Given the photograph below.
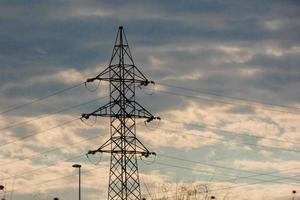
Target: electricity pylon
x=123 y=145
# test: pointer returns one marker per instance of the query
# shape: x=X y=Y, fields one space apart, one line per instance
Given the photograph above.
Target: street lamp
x=79 y=167
x=294 y=193
x=2 y=188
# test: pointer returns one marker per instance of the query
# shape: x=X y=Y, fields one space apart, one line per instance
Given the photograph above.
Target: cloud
x=266 y=153
x=279 y=165
x=231 y=48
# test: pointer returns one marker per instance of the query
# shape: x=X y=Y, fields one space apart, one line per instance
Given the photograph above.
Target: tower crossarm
x=142 y=112
x=140 y=148
x=104 y=111
x=137 y=78
x=109 y=151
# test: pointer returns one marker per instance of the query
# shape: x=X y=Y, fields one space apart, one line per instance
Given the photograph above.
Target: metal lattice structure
x=123 y=145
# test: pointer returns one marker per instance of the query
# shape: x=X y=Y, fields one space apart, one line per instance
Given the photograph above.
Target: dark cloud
x=241 y=110
x=286 y=63
x=20 y=132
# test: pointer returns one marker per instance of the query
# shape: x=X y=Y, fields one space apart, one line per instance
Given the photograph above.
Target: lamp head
x=76 y=165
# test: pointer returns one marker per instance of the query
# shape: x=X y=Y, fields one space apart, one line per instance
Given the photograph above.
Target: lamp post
x=79 y=167
x=2 y=188
x=294 y=193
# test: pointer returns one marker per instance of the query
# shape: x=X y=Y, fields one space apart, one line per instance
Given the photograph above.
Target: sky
x=227 y=77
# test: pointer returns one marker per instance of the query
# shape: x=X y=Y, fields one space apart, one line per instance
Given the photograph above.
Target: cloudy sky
x=227 y=79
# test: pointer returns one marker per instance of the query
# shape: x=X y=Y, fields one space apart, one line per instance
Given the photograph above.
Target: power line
x=183 y=167
x=214 y=128
x=38 y=133
x=54 y=149
x=147 y=189
x=208 y=92
x=222 y=167
x=52 y=180
x=50 y=150
x=224 y=101
x=251 y=177
x=229 y=187
x=41 y=98
x=236 y=186
x=43 y=153
x=86 y=171
x=246 y=177
x=248 y=184
x=40 y=168
x=39 y=154
x=227 y=141
x=262 y=181
x=52 y=113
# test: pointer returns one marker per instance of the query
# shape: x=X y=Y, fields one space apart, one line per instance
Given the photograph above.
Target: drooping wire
x=151 y=127
x=94 y=163
x=145 y=161
x=91 y=89
x=151 y=90
x=82 y=119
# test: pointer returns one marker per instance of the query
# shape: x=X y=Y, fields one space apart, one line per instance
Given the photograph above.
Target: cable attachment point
x=90 y=80
x=148 y=153
x=85 y=116
x=91 y=152
x=152 y=118
x=89 y=88
x=147 y=82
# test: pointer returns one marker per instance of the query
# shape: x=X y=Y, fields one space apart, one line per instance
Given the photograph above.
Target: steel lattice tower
x=123 y=145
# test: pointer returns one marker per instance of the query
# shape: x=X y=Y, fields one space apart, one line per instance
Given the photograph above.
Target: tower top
x=120 y=27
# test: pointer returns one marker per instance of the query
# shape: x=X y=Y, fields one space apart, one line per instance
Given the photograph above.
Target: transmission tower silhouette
x=123 y=145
